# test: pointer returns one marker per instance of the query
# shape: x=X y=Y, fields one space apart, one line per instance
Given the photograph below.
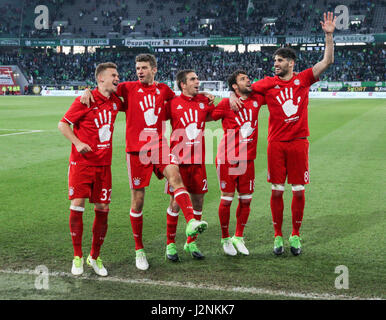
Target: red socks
x=76 y=229
x=242 y=214
x=99 y=230
x=183 y=200
x=224 y=212
x=277 y=207
x=171 y=226
x=297 y=207
x=136 y=219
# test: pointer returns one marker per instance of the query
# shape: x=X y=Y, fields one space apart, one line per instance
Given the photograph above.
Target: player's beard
x=283 y=72
x=246 y=90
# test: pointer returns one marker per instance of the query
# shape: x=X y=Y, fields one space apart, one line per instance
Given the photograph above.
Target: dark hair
x=233 y=77
x=146 y=57
x=181 y=77
x=287 y=53
x=102 y=67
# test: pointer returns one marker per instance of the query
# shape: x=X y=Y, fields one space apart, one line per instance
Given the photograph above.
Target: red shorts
x=288 y=159
x=89 y=182
x=240 y=176
x=140 y=168
x=194 y=179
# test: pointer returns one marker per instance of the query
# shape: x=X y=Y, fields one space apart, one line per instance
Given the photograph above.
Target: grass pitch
x=344 y=219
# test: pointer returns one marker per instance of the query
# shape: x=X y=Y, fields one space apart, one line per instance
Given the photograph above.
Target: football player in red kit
x=287 y=98
x=89 y=173
x=147 y=150
x=188 y=114
x=235 y=158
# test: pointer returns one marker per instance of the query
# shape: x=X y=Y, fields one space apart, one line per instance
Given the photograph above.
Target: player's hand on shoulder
x=234 y=102
x=208 y=95
x=87 y=97
x=82 y=147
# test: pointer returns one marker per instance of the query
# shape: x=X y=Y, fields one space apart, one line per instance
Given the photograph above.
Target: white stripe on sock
x=76 y=208
x=298 y=188
x=173 y=214
x=135 y=215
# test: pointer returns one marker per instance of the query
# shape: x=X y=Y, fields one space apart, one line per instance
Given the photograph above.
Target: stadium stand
x=142 y=19
x=365 y=64
x=185 y=18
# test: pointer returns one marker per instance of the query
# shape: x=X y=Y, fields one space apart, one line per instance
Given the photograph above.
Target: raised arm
x=328 y=26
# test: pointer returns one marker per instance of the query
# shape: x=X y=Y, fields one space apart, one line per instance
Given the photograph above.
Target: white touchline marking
x=23 y=131
x=189 y=285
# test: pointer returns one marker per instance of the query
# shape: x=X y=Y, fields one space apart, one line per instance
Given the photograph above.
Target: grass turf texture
x=344 y=220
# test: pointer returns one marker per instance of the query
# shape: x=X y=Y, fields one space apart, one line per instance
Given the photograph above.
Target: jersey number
x=106 y=193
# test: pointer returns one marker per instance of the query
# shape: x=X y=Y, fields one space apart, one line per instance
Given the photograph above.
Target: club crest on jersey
x=202 y=106
x=157 y=91
x=137 y=181
x=114 y=106
x=297 y=82
x=255 y=104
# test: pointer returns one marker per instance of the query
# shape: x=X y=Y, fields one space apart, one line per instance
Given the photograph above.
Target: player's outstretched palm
x=103 y=124
x=190 y=122
x=328 y=25
x=244 y=121
x=148 y=108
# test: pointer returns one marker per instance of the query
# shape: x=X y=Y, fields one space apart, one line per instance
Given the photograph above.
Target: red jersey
x=145 y=111
x=287 y=104
x=188 y=116
x=94 y=126
x=240 y=129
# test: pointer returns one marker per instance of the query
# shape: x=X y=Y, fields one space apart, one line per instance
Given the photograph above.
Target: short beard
x=283 y=73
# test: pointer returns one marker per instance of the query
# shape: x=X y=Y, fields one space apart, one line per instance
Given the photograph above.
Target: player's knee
x=173 y=206
x=173 y=176
x=245 y=200
x=277 y=190
x=226 y=200
x=102 y=206
x=298 y=190
x=79 y=203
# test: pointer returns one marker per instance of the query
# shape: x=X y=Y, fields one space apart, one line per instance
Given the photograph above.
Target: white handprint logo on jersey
x=191 y=124
x=103 y=125
x=148 y=108
x=244 y=121
x=287 y=102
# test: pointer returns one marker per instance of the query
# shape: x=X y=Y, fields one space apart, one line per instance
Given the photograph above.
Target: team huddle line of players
x=89 y=125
